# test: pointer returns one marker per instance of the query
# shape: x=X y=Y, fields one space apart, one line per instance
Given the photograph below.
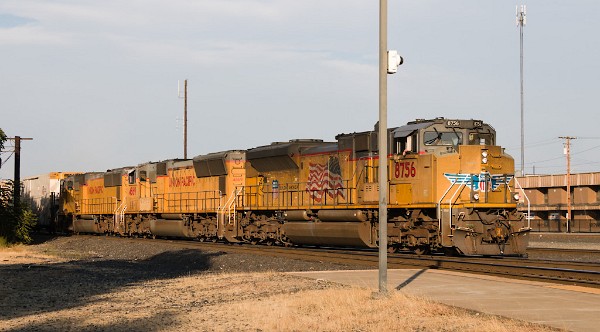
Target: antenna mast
x=184 y=115
x=521 y=21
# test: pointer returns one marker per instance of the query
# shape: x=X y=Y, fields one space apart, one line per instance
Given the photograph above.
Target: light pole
x=382 y=137
x=388 y=64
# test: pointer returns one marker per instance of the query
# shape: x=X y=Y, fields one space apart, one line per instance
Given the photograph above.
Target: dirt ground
x=106 y=284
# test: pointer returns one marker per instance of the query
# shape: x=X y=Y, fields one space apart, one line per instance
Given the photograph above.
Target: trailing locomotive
x=450 y=189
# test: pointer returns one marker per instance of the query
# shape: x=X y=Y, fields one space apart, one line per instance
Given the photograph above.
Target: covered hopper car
x=451 y=189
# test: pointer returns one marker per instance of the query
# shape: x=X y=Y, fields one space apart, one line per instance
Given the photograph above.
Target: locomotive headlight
x=516 y=196
x=476 y=197
x=484 y=155
x=484 y=160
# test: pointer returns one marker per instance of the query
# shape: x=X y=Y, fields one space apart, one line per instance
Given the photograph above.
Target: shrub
x=17 y=222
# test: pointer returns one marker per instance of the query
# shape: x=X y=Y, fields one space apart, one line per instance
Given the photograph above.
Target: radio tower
x=521 y=21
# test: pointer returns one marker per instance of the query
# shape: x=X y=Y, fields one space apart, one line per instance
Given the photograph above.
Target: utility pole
x=521 y=21
x=17 y=179
x=184 y=115
x=568 y=153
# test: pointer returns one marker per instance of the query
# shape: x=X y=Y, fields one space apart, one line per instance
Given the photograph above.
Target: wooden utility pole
x=17 y=179
x=568 y=153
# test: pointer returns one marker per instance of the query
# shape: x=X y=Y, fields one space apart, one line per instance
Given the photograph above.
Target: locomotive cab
x=441 y=136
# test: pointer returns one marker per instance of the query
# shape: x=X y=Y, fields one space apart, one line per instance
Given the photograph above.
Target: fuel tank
x=338 y=233
x=172 y=228
x=86 y=226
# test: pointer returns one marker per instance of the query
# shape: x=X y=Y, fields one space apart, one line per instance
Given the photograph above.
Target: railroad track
x=564 y=254
x=578 y=273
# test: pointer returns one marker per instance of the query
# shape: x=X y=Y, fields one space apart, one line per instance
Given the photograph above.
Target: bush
x=15 y=223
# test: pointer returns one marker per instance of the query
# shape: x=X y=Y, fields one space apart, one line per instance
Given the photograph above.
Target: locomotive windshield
x=481 y=139
x=450 y=138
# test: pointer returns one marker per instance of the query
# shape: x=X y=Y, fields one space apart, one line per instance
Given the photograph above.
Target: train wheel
x=421 y=250
x=451 y=251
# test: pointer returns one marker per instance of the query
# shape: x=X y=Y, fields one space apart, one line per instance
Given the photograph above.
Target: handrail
x=452 y=198
x=118 y=208
x=103 y=205
x=119 y=214
x=296 y=194
x=190 y=201
x=228 y=204
x=439 y=208
x=233 y=205
x=528 y=202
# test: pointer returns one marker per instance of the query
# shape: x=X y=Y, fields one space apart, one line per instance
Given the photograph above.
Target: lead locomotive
x=450 y=189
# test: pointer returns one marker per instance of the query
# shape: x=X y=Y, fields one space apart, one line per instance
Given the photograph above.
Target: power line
x=592 y=148
x=543 y=161
x=7 y=159
x=534 y=144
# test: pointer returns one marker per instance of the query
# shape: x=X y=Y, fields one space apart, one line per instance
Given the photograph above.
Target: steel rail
x=584 y=274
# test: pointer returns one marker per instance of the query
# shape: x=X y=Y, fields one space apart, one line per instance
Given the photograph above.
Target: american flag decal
x=325 y=179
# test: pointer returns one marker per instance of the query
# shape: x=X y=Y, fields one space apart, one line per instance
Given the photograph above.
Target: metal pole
x=382 y=137
x=521 y=20
x=185 y=119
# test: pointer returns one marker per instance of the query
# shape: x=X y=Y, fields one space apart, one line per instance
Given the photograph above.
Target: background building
x=547 y=196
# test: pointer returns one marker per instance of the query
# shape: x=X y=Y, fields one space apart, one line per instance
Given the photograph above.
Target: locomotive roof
x=406 y=130
x=326 y=147
x=282 y=148
x=217 y=155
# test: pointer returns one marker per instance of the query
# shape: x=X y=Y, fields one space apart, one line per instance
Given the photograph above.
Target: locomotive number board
x=463 y=124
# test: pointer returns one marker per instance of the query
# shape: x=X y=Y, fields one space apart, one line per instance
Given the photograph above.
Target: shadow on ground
x=41 y=288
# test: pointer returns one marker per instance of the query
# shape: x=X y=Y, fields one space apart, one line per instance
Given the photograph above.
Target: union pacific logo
x=479 y=182
x=181 y=181
x=93 y=190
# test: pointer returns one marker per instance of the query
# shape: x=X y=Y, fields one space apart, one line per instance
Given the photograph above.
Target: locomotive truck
x=451 y=189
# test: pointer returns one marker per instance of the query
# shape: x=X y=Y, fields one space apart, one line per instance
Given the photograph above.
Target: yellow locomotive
x=450 y=189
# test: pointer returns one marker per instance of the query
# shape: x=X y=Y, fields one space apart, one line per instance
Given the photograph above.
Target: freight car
x=450 y=189
x=41 y=193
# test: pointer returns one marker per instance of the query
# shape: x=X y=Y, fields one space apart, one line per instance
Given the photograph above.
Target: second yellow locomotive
x=450 y=188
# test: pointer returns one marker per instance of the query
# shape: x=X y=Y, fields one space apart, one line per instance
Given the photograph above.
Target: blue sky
x=95 y=82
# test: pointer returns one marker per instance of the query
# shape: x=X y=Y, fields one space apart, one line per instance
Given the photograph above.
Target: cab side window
x=406 y=144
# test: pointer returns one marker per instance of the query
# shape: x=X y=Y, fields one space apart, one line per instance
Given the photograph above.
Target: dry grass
x=355 y=309
x=233 y=302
